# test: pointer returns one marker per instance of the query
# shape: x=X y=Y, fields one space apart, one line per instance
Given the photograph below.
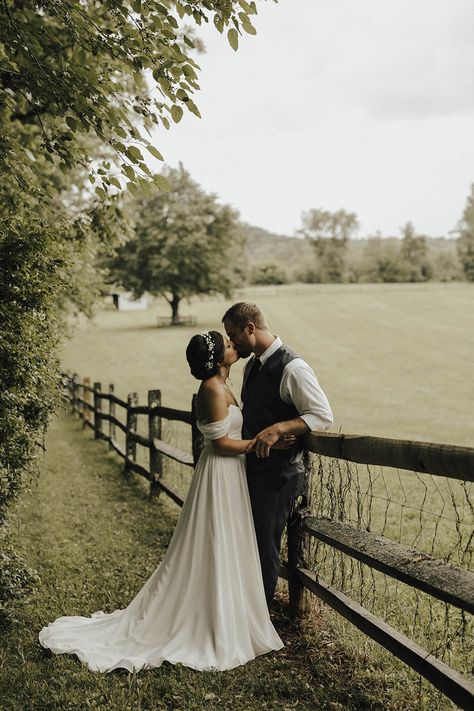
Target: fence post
x=86 y=395
x=130 y=444
x=97 y=411
x=112 y=414
x=74 y=383
x=154 y=432
x=198 y=439
x=66 y=382
x=298 y=597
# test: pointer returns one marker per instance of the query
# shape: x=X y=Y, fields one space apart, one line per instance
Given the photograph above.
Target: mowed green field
x=395 y=360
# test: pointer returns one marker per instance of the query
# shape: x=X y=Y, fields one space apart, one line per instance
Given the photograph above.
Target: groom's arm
x=268 y=437
x=299 y=386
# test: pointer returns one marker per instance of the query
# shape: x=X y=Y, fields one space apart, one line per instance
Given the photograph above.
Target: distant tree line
x=327 y=252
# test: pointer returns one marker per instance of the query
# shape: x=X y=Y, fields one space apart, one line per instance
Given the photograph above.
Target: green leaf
x=135 y=133
x=182 y=95
x=233 y=38
x=189 y=72
x=115 y=182
x=145 y=168
x=128 y=171
x=145 y=185
x=164 y=84
x=248 y=27
x=161 y=182
x=155 y=152
x=176 y=72
x=176 y=113
x=71 y=122
x=133 y=189
x=134 y=154
x=101 y=193
x=249 y=9
x=120 y=146
x=193 y=108
x=120 y=131
x=219 y=23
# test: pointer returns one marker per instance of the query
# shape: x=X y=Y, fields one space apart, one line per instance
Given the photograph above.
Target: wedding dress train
x=204 y=606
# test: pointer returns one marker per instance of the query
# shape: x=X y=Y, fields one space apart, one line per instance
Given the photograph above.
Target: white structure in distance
x=125 y=301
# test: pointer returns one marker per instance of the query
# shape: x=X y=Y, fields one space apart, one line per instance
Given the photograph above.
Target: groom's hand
x=265 y=440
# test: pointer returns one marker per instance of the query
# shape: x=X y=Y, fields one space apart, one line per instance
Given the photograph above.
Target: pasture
x=395 y=360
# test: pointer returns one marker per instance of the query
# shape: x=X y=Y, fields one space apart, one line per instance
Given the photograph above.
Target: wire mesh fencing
x=431 y=514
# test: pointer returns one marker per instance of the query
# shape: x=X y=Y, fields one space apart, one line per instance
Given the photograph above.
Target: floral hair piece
x=210 y=350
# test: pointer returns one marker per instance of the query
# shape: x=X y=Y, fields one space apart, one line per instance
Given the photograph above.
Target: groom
x=281 y=396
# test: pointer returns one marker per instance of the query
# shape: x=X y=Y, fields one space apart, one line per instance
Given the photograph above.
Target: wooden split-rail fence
x=443 y=581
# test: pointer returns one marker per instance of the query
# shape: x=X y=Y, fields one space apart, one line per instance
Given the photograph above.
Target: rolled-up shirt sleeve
x=299 y=385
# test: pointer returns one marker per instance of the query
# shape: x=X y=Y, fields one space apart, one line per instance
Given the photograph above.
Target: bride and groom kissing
x=207 y=604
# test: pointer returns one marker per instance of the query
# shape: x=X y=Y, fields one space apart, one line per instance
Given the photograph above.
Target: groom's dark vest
x=263 y=406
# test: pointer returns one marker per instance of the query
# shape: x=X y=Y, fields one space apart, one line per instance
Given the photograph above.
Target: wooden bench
x=162 y=321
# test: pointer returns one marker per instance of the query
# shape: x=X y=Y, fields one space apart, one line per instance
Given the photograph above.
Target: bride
x=204 y=606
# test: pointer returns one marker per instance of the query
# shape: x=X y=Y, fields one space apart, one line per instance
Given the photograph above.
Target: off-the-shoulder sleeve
x=215 y=430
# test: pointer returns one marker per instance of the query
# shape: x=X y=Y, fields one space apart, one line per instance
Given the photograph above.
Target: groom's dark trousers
x=274 y=482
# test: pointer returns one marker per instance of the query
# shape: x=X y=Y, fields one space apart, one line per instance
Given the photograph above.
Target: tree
x=330 y=233
x=380 y=261
x=82 y=84
x=465 y=243
x=414 y=262
x=267 y=273
x=185 y=243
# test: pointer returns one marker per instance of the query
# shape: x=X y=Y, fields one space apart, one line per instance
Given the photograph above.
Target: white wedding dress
x=204 y=606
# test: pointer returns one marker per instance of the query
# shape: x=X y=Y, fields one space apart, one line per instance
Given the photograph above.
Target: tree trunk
x=174 y=303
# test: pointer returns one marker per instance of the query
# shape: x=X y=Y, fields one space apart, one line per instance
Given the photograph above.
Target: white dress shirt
x=299 y=386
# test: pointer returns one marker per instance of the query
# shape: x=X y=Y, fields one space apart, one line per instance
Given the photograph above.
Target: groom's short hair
x=241 y=313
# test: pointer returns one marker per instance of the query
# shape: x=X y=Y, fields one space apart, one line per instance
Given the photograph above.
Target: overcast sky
x=366 y=105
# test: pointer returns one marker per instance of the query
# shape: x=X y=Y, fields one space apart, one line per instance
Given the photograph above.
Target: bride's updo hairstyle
x=204 y=353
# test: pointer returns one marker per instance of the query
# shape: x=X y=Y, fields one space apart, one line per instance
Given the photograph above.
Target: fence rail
x=444 y=581
x=93 y=416
x=438 y=459
x=449 y=583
